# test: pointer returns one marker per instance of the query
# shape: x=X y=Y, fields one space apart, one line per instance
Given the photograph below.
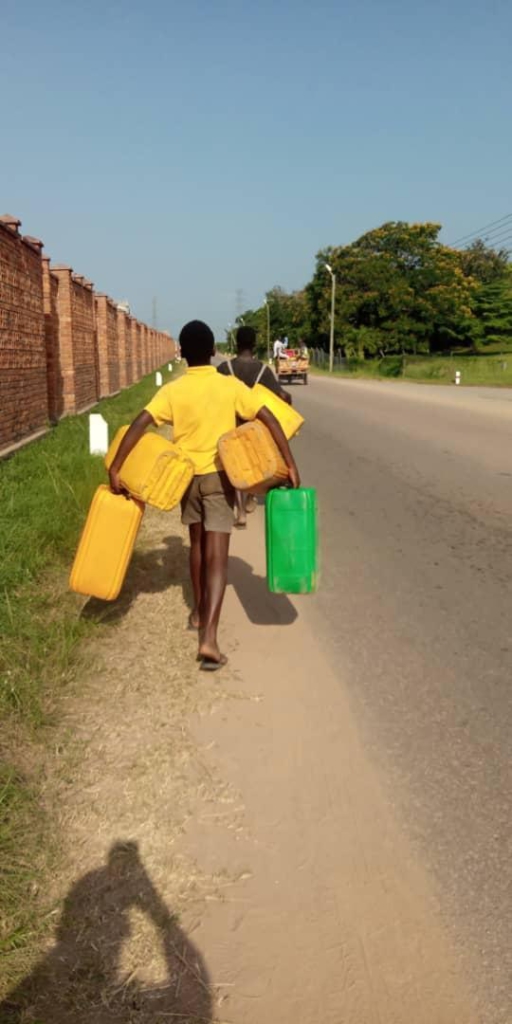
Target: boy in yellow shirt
x=202 y=406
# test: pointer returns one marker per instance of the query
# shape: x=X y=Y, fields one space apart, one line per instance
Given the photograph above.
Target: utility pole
x=268 y=329
x=333 y=302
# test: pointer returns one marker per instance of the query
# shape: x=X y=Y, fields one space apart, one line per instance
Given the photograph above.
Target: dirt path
x=336 y=922
x=250 y=872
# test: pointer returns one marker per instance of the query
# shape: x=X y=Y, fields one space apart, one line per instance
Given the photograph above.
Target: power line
x=499 y=237
x=478 y=233
x=496 y=243
x=492 y=240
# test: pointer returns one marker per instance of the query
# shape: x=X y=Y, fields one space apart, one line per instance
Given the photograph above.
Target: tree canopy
x=398 y=290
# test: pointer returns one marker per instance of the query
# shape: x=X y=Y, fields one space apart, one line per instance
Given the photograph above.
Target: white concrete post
x=158 y=379
x=457 y=376
x=98 y=434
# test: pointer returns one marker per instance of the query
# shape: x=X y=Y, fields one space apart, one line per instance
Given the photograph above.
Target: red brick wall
x=60 y=345
x=130 y=371
x=51 y=330
x=143 y=352
x=107 y=346
x=23 y=388
x=77 y=341
x=121 y=342
x=138 y=366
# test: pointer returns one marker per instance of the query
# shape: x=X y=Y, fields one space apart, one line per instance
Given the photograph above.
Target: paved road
x=415 y=612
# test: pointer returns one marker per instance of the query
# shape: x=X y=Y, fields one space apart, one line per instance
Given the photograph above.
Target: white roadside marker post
x=98 y=434
x=158 y=379
x=457 y=376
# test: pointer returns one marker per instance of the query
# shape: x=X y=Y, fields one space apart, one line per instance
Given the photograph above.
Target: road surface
x=367 y=746
x=414 y=612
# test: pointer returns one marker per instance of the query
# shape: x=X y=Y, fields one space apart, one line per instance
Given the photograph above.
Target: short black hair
x=197 y=343
x=246 y=339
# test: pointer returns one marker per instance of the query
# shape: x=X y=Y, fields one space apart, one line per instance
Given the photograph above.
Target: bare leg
x=241 y=518
x=214 y=572
x=197 y=535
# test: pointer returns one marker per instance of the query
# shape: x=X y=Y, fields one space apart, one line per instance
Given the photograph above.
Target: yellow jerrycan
x=106 y=545
x=155 y=471
x=252 y=459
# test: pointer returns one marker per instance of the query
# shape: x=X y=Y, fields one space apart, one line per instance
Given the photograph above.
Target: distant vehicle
x=292 y=365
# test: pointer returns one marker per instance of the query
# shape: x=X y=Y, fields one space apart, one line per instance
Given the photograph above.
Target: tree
x=288 y=316
x=493 y=307
x=482 y=263
x=400 y=285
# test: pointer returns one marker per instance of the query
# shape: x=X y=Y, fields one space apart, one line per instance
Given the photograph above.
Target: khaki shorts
x=209 y=500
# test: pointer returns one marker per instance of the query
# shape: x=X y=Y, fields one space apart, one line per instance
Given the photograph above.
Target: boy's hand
x=115 y=484
x=293 y=475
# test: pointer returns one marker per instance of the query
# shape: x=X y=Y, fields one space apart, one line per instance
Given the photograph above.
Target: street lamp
x=333 y=300
x=268 y=329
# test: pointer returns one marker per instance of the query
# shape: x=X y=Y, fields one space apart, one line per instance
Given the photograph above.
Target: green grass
x=491 y=370
x=45 y=491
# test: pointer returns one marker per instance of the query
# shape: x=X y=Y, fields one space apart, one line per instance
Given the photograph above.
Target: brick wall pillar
x=107 y=345
x=65 y=339
x=77 y=341
x=51 y=320
x=121 y=344
x=23 y=389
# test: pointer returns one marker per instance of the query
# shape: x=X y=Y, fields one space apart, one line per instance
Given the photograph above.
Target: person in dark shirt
x=248 y=368
x=250 y=371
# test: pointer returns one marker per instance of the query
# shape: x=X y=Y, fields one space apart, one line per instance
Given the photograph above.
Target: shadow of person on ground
x=261 y=607
x=154 y=571
x=150 y=572
x=81 y=980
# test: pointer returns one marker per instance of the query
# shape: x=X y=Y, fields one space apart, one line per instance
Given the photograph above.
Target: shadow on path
x=261 y=607
x=81 y=980
x=150 y=572
x=154 y=571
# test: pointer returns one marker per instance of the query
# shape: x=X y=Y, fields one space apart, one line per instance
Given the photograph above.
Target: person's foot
x=241 y=520
x=210 y=655
x=212 y=665
x=251 y=503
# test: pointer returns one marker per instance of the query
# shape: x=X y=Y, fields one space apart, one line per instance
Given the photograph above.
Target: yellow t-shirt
x=202 y=406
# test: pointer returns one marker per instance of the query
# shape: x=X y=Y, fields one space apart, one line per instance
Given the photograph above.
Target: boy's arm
x=133 y=434
x=276 y=430
x=270 y=382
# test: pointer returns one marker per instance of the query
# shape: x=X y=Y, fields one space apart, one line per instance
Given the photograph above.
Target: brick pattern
x=129 y=364
x=23 y=387
x=137 y=349
x=51 y=331
x=107 y=346
x=61 y=345
x=121 y=343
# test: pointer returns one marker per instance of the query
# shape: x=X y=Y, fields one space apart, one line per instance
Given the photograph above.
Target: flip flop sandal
x=210 y=665
x=240 y=525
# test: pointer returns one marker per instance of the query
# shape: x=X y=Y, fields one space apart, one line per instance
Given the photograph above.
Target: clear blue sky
x=188 y=149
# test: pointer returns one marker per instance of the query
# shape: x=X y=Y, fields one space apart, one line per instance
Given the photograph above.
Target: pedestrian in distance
x=249 y=369
x=202 y=405
x=278 y=352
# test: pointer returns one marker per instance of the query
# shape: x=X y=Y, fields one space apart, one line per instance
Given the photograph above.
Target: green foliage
x=398 y=291
x=483 y=263
x=475 y=369
x=494 y=311
x=45 y=491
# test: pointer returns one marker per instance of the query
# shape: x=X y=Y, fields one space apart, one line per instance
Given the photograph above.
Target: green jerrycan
x=291 y=538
